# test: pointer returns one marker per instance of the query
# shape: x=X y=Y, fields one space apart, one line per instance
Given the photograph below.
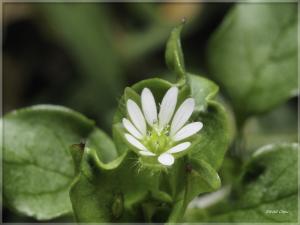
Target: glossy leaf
x=266 y=192
x=253 y=56
x=37 y=166
x=215 y=123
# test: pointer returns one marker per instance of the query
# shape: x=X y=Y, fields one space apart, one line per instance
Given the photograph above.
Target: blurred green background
x=83 y=55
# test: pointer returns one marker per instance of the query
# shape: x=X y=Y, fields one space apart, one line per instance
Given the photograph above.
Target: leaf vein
x=30 y=163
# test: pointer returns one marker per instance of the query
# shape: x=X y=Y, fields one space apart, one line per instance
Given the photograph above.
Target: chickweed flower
x=162 y=134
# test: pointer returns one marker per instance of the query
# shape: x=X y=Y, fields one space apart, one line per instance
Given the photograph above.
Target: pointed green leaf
x=174 y=54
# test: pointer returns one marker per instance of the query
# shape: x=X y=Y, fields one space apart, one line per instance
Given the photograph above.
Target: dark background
x=83 y=55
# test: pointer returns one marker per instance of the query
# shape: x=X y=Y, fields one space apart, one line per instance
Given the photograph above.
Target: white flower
x=154 y=134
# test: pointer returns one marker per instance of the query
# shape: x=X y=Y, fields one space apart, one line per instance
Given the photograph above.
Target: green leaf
x=115 y=192
x=266 y=192
x=174 y=54
x=37 y=165
x=104 y=146
x=193 y=178
x=201 y=175
x=213 y=140
x=202 y=90
x=215 y=123
x=253 y=56
x=97 y=140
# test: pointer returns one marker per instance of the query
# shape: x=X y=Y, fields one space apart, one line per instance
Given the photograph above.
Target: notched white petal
x=131 y=129
x=187 y=131
x=136 y=116
x=167 y=106
x=179 y=148
x=146 y=153
x=182 y=115
x=133 y=141
x=166 y=159
x=149 y=106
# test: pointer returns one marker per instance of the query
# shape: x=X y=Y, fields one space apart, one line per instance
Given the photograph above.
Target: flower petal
x=149 y=106
x=131 y=129
x=187 y=131
x=182 y=115
x=146 y=153
x=133 y=141
x=166 y=159
x=179 y=148
x=136 y=116
x=167 y=106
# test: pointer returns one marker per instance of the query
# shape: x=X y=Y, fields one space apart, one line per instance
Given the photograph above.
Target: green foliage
x=37 y=166
x=123 y=190
x=111 y=192
x=253 y=56
x=57 y=163
x=266 y=192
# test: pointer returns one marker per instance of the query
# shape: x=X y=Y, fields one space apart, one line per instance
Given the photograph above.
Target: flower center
x=157 y=140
